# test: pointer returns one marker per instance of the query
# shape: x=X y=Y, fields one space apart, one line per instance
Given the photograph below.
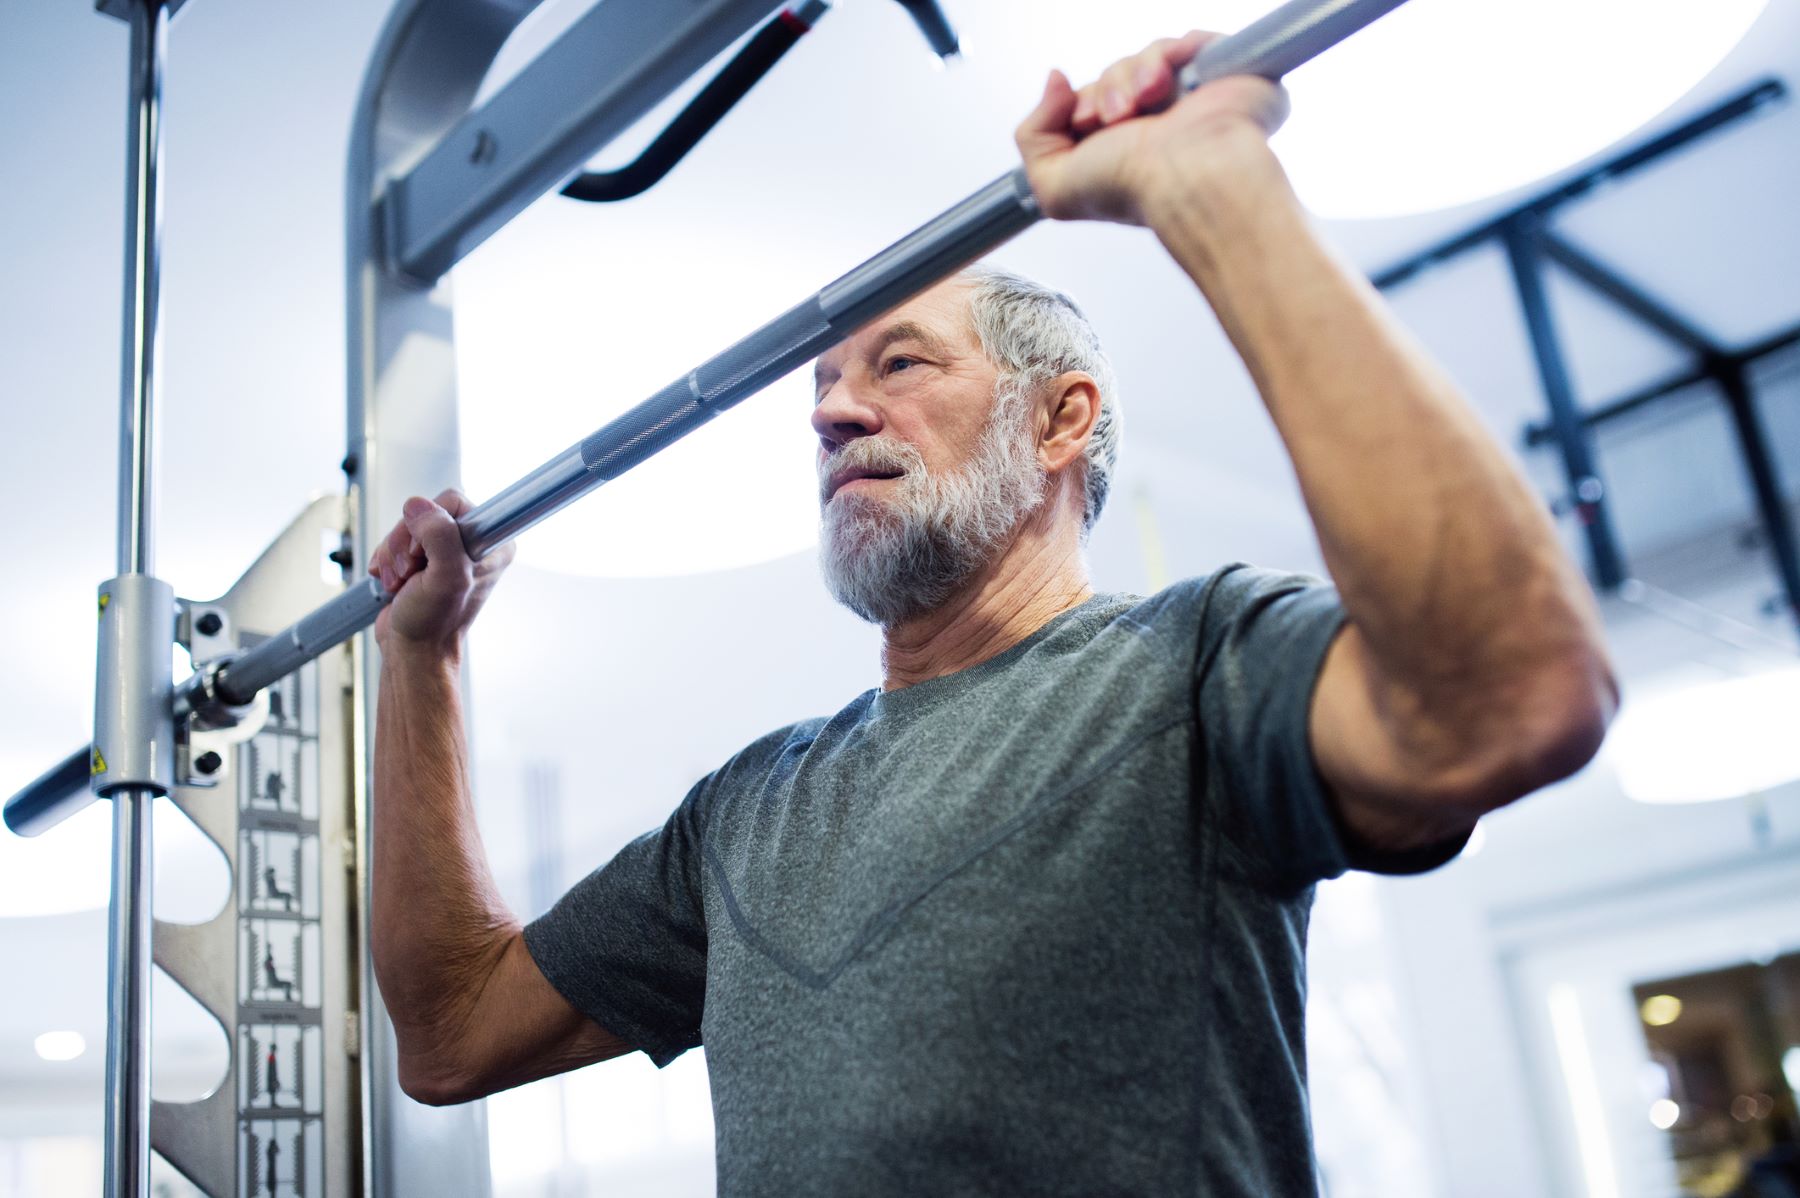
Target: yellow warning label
x=105 y=598
x=98 y=765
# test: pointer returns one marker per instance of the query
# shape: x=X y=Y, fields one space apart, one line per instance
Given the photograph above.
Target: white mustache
x=868 y=453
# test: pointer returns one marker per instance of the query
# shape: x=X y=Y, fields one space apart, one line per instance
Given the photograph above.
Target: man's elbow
x=436 y=1082
x=1554 y=730
x=436 y=1068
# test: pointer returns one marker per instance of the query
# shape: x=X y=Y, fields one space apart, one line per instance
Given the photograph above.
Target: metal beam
x=1718 y=366
x=1758 y=99
x=1543 y=433
x=1772 y=344
x=608 y=70
x=1765 y=483
x=1732 y=378
x=1628 y=295
x=1585 y=486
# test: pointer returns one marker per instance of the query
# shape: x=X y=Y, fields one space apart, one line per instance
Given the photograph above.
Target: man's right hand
x=437 y=589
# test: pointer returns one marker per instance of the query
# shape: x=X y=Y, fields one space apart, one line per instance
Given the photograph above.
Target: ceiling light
x=1715 y=740
x=1664 y=1113
x=1790 y=1068
x=1660 y=1010
x=60 y=1046
x=1445 y=102
x=1441 y=102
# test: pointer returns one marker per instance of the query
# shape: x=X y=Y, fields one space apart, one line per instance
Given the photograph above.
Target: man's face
x=915 y=377
x=925 y=471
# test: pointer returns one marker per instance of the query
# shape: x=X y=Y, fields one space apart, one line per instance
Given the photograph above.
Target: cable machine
x=266 y=745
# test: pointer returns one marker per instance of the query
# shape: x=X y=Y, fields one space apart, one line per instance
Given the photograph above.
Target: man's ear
x=1071 y=409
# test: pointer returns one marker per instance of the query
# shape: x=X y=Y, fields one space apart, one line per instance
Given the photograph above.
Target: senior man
x=1029 y=918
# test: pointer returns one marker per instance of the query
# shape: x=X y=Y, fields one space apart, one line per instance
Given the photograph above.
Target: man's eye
x=900 y=362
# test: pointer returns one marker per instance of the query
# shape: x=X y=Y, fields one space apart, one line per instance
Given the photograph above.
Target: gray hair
x=1034 y=333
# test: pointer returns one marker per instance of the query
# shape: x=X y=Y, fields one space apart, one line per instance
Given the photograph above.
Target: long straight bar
x=1292 y=35
x=128 y=957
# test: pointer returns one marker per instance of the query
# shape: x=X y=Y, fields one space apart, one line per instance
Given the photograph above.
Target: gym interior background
x=1600 y=998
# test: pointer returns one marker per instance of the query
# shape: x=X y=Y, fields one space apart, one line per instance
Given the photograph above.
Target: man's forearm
x=1446 y=561
x=438 y=923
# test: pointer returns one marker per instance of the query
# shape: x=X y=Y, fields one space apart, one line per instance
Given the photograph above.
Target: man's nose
x=843 y=414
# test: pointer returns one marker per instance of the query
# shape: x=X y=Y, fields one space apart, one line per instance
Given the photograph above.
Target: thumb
x=1046 y=128
x=434 y=529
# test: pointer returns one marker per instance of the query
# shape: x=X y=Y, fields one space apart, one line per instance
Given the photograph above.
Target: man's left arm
x=1471 y=670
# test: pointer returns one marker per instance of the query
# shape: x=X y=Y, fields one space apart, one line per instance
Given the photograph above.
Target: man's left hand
x=1118 y=147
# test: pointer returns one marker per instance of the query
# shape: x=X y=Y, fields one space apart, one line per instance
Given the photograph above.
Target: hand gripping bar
x=1291 y=35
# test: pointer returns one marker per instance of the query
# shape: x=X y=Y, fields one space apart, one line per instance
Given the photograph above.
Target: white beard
x=893 y=558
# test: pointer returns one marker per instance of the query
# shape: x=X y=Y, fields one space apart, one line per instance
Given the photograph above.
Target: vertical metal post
x=128 y=928
x=1589 y=493
x=423 y=75
x=143 y=212
x=128 y=999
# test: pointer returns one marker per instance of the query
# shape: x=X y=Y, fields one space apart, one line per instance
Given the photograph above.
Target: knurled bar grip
x=325 y=628
x=1291 y=35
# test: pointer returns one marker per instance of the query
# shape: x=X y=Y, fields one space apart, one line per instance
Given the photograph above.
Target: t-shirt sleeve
x=1263 y=639
x=627 y=944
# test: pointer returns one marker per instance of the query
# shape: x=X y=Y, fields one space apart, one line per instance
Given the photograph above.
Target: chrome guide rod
x=128 y=958
x=1286 y=38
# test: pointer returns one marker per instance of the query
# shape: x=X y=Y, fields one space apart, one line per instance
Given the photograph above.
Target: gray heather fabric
x=1036 y=928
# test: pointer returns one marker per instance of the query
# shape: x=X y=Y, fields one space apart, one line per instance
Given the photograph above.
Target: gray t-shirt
x=1037 y=927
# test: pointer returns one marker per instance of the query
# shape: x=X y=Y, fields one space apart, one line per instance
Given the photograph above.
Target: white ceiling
x=258 y=105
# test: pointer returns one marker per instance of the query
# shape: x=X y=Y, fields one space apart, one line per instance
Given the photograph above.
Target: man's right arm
x=472 y=1012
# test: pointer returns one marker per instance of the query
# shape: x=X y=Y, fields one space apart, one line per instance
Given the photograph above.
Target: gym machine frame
x=1528 y=235
x=428 y=181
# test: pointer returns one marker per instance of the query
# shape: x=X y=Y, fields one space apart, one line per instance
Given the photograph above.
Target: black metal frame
x=1530 y=242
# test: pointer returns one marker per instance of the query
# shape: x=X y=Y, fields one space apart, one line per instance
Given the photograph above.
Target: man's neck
x=1038 y=577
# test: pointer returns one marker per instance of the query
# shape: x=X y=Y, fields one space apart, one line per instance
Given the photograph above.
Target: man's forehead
x=940 y=314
